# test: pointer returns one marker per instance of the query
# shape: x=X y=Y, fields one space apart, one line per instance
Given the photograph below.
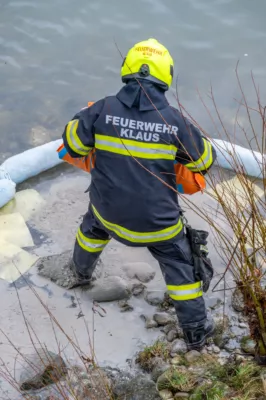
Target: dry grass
x=158 y=350
x=244 y=379
x=238 y=221
x=177 y=379
x=240 y=225
x=82 y=379
x=238 y=218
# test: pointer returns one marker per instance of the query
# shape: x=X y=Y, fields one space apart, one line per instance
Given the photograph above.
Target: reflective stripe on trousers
x=89 y=244
x=140 y=237
x=74 y=141
x=176 y=262
x=185 y=292
x=91 y=239
x=134 y=148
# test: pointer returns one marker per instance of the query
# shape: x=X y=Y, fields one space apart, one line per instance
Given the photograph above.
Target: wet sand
x=117 y=336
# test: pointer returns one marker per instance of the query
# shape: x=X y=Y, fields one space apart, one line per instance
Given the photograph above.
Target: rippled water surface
x=55 y=55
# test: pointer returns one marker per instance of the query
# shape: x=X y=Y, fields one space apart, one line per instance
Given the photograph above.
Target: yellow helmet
x=149 y=60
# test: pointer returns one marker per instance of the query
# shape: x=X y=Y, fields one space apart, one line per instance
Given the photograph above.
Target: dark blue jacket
x=137 y=137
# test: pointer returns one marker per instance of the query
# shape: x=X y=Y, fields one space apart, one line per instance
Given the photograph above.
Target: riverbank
x=117 y=331
x=165 y=369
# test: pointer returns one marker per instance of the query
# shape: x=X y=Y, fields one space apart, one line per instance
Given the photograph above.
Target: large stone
x=129 y=387
x=91 y=384
x=216 y=349
x=57 y=391
x=178 y=347
x=154 y=297
x=177 y=360
x=163 y=319
x=231 y=345
x=167 y=328
x=159 y=367
x=248 y=345
x=221 y=322
x=174 y=327
x=41 y=369
x=58 y=269
x=192 y=356
x=243 y=318
x=150 y=323
x=198 y=370
x=125 y=306
x=221 y=340
x=139 y=270
x=222 y=332
x=109 y=289
x=137 y=289
x=172 y=335
x=237 y=332
x=166 y=394
x=238 y=301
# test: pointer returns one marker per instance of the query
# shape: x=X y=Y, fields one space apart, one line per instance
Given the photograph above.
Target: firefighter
x=137 y=137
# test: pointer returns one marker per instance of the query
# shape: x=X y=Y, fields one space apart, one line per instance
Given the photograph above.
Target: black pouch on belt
x=202 y=264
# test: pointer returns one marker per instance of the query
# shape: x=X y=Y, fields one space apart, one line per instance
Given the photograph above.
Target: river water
x=55 y=55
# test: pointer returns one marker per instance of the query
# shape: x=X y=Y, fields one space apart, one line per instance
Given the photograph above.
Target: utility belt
x=202 y=264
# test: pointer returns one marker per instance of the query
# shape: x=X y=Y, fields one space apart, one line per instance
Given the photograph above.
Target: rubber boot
x=196 y=337
x=78 y=280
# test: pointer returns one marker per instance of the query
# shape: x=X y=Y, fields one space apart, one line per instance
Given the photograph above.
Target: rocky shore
x=225 y=368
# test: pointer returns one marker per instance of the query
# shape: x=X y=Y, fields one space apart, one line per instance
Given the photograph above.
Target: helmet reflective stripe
x=152 y=56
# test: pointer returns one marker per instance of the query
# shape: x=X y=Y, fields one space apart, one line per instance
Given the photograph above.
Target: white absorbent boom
x=23 y=166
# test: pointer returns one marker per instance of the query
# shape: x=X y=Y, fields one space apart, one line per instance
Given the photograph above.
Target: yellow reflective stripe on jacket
x=205 y=161
x=140 y=237
x=185 y=292
x=74 y=141
x=128 y=147
x=90 y=245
